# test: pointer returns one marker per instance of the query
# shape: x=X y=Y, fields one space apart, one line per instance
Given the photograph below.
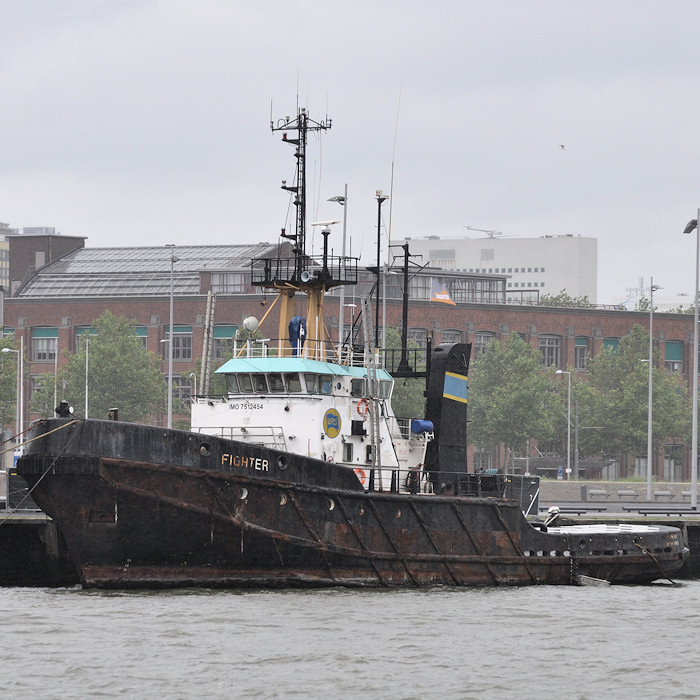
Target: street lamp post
x=87 y=362
x=18 y=399
x=173 y=260
x=343 y=201
x=568 y=425
x=381 y=198
x=652 y=289
x=690 y=227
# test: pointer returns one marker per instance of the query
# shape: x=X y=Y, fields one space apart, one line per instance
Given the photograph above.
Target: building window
x=182 y=343
x=223 y=341
x=673 y=361
x=610 y=345
x=419 y=287
x=182 y=393
x=44 y=344
x=82 y=332
x=228 y=282
x=41 y=391
x=580 y=353
x=418 y=335
x=141 y=333
x=550 y=347
x=481 y=341
x=450 y=336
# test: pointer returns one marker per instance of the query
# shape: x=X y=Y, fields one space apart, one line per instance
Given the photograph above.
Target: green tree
x=408 y=399
x=8 y=383
x=511 y=399
x=42 y=399
x=619 y=397
x=121 y=373
x=564 y=299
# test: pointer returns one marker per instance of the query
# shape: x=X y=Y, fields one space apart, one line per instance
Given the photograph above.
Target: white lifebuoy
x=329 y=458
x=363 y=407
x=361 y=475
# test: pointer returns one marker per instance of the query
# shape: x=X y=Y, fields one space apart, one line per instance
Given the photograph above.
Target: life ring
x=363 y=407
x=361 y=475
x=329 y=458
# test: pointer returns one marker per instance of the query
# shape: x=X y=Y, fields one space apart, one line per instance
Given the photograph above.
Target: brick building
x=55 y=304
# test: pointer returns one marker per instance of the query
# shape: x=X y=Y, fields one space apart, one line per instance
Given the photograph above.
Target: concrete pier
x=33 y=552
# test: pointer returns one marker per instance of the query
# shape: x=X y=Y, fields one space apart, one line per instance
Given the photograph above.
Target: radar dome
x=250 y=323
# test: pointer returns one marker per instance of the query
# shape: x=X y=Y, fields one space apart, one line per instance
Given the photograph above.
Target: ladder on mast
x=208 y=342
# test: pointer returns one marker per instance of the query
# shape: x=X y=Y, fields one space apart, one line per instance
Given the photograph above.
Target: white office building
x=534 y=266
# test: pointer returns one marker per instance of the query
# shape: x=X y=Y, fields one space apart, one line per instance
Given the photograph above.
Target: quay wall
x=33 y=552
x=553 y=492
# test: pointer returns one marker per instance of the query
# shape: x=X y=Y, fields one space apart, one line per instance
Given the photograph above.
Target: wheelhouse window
x=292 y=382
x=275 y=383
x=358 y=387
x=318 y=383
x=232 y=383
x=245 y=384
x=260 y=384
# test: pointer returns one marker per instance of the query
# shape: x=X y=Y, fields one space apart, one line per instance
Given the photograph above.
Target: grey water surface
x=539 y=642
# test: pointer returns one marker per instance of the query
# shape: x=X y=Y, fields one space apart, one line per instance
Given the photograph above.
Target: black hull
x=144 y=507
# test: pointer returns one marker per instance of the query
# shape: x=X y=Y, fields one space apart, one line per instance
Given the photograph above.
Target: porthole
x=331 y=504
x=243 y=494
x=283 y=499
x=282 y=462
x=398 y=513
x=205 y=449
x=360 y=510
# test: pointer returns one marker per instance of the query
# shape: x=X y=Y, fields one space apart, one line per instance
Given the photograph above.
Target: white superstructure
x=315 y=409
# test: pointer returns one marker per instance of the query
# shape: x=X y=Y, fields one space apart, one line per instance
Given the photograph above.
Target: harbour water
x=567 y=642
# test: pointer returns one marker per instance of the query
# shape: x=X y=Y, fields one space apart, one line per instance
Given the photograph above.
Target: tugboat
x=301 y=475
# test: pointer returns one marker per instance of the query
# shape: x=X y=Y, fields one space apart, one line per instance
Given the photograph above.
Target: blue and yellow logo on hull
x=331 y=423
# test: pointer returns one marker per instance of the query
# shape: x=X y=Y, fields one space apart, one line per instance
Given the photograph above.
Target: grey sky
x=138 y=122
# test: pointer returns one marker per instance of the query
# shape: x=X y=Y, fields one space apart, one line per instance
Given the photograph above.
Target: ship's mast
x=301 y=272
x=302 y=125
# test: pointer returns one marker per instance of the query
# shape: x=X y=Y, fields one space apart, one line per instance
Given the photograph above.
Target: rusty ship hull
x=141 y=506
